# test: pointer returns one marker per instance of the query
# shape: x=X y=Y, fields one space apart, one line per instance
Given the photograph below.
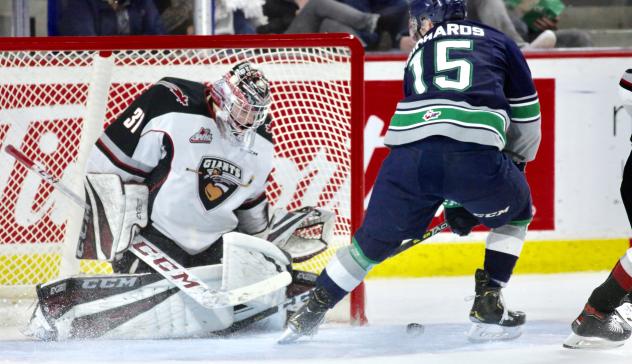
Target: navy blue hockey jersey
x=471 y=83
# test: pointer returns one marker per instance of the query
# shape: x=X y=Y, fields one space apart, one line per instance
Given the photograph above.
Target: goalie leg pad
x=248 y=260
x=117 y=212
x=126 y=306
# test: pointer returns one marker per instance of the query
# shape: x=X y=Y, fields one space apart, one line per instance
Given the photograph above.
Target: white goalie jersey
x=202 y=183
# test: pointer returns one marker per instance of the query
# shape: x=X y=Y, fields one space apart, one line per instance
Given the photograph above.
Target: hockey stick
x=28 y=163
x=163 y=264
x=427 y=235
x=290 y=303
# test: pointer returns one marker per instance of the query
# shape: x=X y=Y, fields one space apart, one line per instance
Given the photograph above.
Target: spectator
x=494 y=13
x=394 y=14
x=280 y=15
x=231 y=16
x=533 y=17
x=239 y=16
x=109 y=17
x=177 y=16
x=319 y=16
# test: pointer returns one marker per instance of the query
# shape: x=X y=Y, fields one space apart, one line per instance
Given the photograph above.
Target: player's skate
x=306 y=320
x=491 y=318
x=594 y=329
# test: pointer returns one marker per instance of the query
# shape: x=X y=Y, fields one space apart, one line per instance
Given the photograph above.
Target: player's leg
x=398 y=210
x=626 y=188
x=599 y=324
x=496 y=192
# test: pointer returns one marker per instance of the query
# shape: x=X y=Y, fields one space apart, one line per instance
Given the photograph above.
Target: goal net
x=57 y=95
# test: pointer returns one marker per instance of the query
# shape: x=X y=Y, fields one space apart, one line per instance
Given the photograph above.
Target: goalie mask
x=243 y=98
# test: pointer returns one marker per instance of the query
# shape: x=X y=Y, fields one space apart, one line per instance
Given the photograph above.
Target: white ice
x=550 y=301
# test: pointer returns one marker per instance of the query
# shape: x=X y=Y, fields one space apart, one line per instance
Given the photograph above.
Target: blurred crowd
x=381 y=25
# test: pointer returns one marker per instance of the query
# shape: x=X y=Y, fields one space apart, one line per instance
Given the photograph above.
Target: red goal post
x=58 y=93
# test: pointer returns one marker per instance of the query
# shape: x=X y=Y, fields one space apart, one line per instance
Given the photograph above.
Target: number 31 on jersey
x=134 y=121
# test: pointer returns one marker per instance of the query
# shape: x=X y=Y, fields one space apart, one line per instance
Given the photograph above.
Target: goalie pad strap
x=117 y=212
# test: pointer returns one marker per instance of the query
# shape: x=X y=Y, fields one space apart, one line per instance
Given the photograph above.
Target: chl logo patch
x=431 y=114
x=202 y=136
x=217 y=180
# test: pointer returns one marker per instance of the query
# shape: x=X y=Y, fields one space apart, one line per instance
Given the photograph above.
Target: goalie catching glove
x=303 y=233
x=116 y=213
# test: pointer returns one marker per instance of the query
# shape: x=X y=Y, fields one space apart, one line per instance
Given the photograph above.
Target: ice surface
x=551 y=303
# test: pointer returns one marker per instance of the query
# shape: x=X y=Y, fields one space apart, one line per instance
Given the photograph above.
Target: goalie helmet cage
x=57 y=94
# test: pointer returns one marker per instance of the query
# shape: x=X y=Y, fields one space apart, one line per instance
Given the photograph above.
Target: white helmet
x=243 y=97
x=625 y=90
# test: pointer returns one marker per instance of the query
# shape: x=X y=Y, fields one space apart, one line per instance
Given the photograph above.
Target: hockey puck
x=414 y=329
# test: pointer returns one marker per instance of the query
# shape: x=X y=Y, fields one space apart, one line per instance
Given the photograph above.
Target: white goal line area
x=42 y=75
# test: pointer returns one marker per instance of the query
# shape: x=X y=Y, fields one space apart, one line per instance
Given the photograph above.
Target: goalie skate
x=492 y=321
x=598 y=330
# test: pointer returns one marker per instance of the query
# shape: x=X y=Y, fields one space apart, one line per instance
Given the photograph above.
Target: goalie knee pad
x=116 y=213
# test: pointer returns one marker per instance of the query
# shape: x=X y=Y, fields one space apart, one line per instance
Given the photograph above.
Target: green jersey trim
x=524 y=222
x=525 y=111
x=492 y=121
x=358 y=255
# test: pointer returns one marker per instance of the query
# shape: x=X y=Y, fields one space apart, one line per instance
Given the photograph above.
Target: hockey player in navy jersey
x=600 y=325
x=468 y=124
x=182 y=167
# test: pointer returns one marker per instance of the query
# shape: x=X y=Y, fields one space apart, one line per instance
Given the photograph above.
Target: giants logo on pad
x=217 y=180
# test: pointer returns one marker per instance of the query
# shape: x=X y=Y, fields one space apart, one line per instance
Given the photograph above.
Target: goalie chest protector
x=197 y=175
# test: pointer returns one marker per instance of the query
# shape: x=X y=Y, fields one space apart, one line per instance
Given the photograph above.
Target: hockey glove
x=460 y=220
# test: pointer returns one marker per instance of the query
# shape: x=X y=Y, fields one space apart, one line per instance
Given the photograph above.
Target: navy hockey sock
x=500 y=266
x=335 y=292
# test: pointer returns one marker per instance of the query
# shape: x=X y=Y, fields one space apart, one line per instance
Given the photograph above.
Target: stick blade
x=574 y=341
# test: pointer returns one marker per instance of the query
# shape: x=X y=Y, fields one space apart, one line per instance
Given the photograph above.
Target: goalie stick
x=163 y=264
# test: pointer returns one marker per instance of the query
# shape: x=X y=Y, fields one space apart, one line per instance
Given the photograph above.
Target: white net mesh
x=47 y=99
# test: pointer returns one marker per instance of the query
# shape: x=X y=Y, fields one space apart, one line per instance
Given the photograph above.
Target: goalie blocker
x=115 y=213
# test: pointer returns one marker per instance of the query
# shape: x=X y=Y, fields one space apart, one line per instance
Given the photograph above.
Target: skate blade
x=625 y=312
x=289 y=336
x=574 y=341
x=480 y=333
